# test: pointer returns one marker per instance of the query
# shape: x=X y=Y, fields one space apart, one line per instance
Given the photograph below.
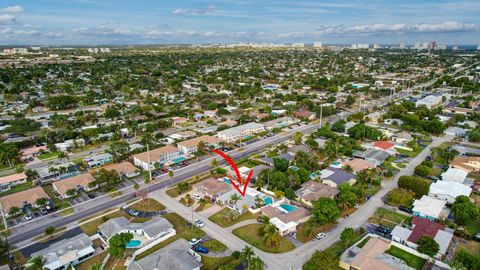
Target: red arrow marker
x=234 y=166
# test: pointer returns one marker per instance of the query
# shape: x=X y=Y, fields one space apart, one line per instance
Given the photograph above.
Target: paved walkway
x=241 y=224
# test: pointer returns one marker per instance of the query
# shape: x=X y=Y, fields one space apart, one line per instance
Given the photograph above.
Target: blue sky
x=211 y=21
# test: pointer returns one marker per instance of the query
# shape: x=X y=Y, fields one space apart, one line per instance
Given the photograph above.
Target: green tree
x=297 y=138
x=325 y=210
x=36 y=263
x=428 y=246
x=14 y=210
x=464 y=210
x=347 y=236
x=346 y=198
x=49 y=230
x=117 y=244
x=235 y=198
x=280 y=164
x=422 y=170
x=270 y=235
x=322 y=260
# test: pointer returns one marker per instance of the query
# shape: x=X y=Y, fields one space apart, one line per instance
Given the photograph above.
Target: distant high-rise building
x=478 y=47
x=417 y=45
x=317 y=44
x=402 y=45
x=455 y=48
x=298 y=45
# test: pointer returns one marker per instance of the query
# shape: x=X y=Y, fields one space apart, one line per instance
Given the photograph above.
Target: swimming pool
x=287 y=207
x=336 y=163
x=267 y=200
x=179 y=159
x=226 y=180
x=133 y=244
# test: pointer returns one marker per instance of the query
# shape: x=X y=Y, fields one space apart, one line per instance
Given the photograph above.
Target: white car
x=196 y=197
x=28 y=217
x=194 y=241
x=320 y=235
x=199 y=223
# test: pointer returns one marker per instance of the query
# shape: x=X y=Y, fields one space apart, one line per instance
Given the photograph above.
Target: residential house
x=146 y=232
x=9 y=181
x=311 y=191
x=386 y=146
x=454 y=174
x=371 y=256
x=67 y=145
x=429 y=101
x=66 y=252
x=402 y=137
x=162 y=155
x=23 y=199
x=178 y=255
x=286 y=217
x=333 y=177
x=305 y=115
x=236 y=133
x=77 y=183
x=428 y=208
x=182 y=135
x=55 y=172
x=211 y=188
x=468 y=164
x=33 y=151
x=456 y=131
x=448 y=190
x=374 y=156
x=249 y=201
x=189 y=147
x=423 y=227
x=98 y=160
x=228 y=123
x=270 y=162
x=298 y=148
x=358 y=164
x=124 y=169
x=177 y=121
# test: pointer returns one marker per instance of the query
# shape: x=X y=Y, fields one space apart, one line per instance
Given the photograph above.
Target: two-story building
x=162 y=155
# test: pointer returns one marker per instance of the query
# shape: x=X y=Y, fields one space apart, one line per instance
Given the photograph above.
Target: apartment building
x=239 y=132
x=162 y=155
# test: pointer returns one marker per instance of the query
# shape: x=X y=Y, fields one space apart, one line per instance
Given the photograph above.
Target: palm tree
x=246 y=255
x=235 y=198
x=256 y=263
x=62 y=155
x=214 y=163
x=271 y=237
x=36 y=263
x=96 y=266
x=13 y=210
x=171 y=174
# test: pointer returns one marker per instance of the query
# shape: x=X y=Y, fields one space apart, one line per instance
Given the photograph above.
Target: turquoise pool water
x=287 y=207
x=226 y=180
x=336 y=163
x=133 y=244
x=179 y=159
x=267 y=200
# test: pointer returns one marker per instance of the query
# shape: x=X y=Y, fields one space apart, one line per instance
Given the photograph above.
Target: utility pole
x=321 y=114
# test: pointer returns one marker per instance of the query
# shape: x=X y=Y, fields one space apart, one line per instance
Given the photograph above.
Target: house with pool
x=212 y=187
x=252 y=200
x=156 y=230
x=285 y=216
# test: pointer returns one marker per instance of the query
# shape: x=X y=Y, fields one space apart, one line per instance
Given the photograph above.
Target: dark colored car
x=405 y=209
x=91 y=195
x=201 y=249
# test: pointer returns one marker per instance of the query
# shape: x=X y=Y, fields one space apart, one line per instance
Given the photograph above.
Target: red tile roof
x=384 y=144
x=424 y=227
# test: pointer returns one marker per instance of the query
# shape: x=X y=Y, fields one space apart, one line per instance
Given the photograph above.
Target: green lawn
x=175 y=191
x=148 y=205
x=221 y=218
x=410 y=259
x=48 y=155
x=211 y=263
x=215 y=245
x=86 y=265
x=183 y=231
x=473 y=227
x=388 y=218
x=17 y=188
x=409 y=153
x=364 y=241
x=250 y=234
x=306 y=234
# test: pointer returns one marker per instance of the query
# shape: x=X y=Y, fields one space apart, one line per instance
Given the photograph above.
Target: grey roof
x=284 y=156
x=297 y=148
x=258 y=169
x=375 y=154
x=338 y=176
x=60 y=248
x=152 y=227
x=175 y=256
x=240 y=129
x=247 y=199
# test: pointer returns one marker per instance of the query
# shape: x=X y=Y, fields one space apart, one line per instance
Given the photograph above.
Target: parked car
x=196 y=197
x=91 y=195
x=320 y=235
x=201 y=249
x=405 y=209
x=27 y=217
x=43 y=211
x=199 y=223
x=194 y=241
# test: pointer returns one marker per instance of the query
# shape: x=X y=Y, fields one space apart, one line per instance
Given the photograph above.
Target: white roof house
x=448 y=190
x=454 y=174
x=238 y=132
x=428 y=207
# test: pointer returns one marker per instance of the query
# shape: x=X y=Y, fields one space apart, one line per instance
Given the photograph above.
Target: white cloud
x=7 y=18
x=194 y=11
x=398 y=28
x=12 y=10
